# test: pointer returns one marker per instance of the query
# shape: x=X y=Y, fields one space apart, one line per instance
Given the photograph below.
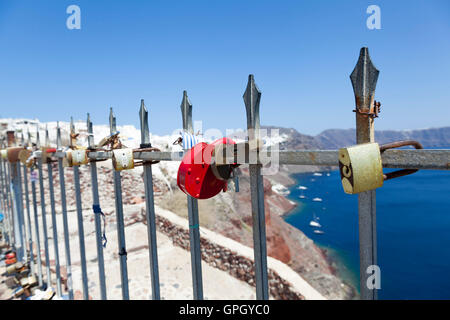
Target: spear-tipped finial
x=364 y=81
x=38 y=140
x=112 y=121
x=58 y=136
x=252 y=97
x=90 y=131
x=47 y=138
x=72 y=126
x=143 y=116
x=28 y=137
x=186 y=112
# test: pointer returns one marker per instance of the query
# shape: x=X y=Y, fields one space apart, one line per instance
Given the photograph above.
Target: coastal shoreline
x=336 y=262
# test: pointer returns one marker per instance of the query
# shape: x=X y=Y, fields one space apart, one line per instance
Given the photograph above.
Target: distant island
x=338 y=138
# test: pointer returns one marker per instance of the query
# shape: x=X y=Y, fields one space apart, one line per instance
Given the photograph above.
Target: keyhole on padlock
x=346 y=171
x=124 y=160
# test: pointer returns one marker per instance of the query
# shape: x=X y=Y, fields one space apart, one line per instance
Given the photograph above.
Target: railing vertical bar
x=36 y=230
x=66 y=229
x=252 y=98
x=27 y=201
x=10 y=202
x=3 y=206
x=150 y=206
x=5 y=201
x=76 y=179
x=54 y=224
x=22 y=213
x=119 y=217
x=62 y=186
x=44 y=222
x=364 y=79
x=18 y=222
x=23 y=226
x=192 y=204
x=96 y=202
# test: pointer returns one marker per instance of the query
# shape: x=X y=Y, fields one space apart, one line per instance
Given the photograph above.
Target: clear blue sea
x=413 y=230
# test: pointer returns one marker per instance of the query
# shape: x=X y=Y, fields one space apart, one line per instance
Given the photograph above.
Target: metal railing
x=19 y=230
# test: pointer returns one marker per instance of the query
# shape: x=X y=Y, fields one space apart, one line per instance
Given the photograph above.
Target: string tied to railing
x=98 y=210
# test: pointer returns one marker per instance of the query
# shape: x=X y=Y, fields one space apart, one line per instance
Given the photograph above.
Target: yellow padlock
x=4 y=153
x=123 y=159
x=361 y=168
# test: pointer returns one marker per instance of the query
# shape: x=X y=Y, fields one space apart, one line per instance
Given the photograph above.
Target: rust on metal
x=398 y=144
x=312 y=156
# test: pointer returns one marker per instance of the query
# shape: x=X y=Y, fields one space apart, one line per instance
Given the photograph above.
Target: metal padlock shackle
x=361 y=166
x=398 y=144
x=146 y=148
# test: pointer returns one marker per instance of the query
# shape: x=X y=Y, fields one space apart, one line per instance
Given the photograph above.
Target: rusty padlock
x=196 y=175
x=32 y=281
x=24 y=155
x=23 y=282
x=44 y=154
x=78 y=157
x=75 y=157
x=10 y=269
x=361 y=168
x=13 y=153
x=123 y=159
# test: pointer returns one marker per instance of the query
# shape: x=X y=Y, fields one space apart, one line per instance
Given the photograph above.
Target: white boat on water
x=317 y=199
x=317 y=174
x=319 y=231
x=314 y=223
x=302 y=197
x=302 y=188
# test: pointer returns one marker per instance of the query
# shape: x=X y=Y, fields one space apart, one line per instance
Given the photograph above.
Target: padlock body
x=4 y=153
x=361 y=168
x=195 y=176
x=123 y=159
x=44 y=154
x=13 y=153
x=79 y=157
x=24 y=154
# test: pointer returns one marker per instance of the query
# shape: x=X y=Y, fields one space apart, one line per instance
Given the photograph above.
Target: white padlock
x=79 y=157
x=123 y=159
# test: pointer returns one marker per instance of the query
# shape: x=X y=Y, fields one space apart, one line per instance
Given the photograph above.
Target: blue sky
x=301 y=53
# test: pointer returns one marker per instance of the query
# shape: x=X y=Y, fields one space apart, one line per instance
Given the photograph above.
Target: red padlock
x=10 y=255
x=195 y=174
